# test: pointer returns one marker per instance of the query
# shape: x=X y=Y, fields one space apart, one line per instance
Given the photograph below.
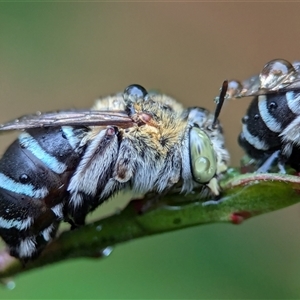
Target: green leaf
x=242 y=197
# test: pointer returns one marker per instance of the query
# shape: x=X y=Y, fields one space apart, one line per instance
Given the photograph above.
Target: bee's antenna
x=220 y=103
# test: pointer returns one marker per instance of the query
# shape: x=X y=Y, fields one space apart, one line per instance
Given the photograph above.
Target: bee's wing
x=253 y=87
x=70 y=118
x=291 y=87
x=277 y=76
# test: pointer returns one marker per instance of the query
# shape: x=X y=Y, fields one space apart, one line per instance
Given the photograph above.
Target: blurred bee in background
x=65 y=164
x=271 y=127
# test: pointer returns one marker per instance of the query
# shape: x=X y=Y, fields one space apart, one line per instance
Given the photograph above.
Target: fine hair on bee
x=65 y=164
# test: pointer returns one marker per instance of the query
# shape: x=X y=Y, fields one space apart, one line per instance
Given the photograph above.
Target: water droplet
x=8 y=283
x=38 y=113
x=275 y=73
x=106 y=251
x=234 y=89
x=7 y=210
x=134 y=92
x=17 y=120
x=99 y=228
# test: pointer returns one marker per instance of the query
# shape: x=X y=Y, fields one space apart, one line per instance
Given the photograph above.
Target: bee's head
x=206 y=151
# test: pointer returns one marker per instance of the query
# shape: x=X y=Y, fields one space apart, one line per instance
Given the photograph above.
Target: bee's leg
x=171 y=171
x=269 y=162
x=285 y=154
x=92 y=174
x=166 y=181
x=281 y=164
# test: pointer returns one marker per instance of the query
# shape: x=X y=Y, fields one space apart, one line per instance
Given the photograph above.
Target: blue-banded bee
x=270 y=131
x=65 y=164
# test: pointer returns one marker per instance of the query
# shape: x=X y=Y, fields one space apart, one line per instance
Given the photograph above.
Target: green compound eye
x=202 y=154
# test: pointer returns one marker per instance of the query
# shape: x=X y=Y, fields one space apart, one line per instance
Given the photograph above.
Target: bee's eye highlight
x=201 y=164
x=134 y=93
x=202 y=156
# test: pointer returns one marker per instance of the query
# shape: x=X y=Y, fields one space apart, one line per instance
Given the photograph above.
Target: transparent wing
x=278 y=75
x=71 y=118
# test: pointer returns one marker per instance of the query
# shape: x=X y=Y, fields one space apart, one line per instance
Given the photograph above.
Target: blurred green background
x=64 y=55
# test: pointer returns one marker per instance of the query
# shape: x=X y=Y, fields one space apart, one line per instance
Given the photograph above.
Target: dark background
x=64 y=55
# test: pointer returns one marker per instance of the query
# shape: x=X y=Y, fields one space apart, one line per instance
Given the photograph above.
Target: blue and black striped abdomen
x=271 y=126
x=34 y=175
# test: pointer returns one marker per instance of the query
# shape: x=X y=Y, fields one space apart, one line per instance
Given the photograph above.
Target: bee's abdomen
x=34 y=172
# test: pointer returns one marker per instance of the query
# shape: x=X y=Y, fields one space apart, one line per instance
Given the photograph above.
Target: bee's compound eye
x=202 y=155
x=24 y=178
x=134 y=92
